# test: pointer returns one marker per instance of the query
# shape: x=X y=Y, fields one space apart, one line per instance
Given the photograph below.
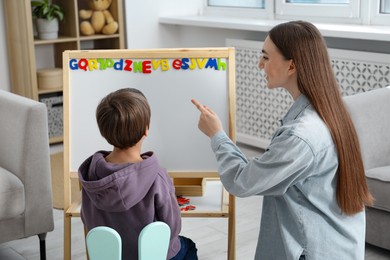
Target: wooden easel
x=72 y=208
x=227 y=211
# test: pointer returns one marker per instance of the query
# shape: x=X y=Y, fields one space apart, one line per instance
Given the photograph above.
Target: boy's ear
x=147 y=131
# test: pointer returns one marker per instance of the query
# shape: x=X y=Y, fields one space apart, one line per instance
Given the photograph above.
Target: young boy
x=124 y=189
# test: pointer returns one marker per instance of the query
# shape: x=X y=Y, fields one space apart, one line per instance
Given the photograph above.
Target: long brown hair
x=303 y=43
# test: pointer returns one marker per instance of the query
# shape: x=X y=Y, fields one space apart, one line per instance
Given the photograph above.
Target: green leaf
x=43 y=9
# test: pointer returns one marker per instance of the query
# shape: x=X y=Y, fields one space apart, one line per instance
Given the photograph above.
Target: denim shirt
x=297 y=177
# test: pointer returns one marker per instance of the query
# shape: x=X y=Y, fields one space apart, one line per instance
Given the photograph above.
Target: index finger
x=198 y=105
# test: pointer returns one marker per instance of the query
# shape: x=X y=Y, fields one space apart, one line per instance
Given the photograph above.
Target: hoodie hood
x=117 y=187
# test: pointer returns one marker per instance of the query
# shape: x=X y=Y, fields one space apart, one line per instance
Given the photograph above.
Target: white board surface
x=173 y=135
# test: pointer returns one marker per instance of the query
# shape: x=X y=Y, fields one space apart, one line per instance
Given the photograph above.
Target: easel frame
x=72 y=208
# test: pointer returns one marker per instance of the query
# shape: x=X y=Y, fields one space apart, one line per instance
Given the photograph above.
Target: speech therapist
x=311 y=175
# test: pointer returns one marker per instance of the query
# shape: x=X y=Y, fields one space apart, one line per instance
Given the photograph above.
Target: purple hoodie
x=127 y=197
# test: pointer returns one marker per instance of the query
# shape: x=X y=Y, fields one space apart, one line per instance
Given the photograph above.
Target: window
x=380 y=12
x=385 y=7
x=375 y=12
x=319 y=10
x=237 y=3
x=318 y=1
x=241 y=8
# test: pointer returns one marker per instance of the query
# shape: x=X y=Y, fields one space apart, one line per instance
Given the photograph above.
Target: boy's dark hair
x=123 y=117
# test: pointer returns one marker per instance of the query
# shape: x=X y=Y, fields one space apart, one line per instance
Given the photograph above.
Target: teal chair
x=104 y=243
x=153 y=241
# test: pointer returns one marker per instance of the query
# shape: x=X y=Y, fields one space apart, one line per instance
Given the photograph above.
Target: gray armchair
x=25 y=179
x=370 y=112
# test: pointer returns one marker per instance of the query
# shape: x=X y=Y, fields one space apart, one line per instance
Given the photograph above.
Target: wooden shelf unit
x=24 y=61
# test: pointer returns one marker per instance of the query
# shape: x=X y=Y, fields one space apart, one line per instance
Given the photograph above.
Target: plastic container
x=49 y=78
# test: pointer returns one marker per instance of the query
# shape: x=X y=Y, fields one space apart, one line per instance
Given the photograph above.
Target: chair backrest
x=104 y=243
x=153 y=241
x=370 y=114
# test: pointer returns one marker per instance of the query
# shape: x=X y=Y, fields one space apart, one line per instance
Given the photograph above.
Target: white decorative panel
x=360 y=71
x=260 y=109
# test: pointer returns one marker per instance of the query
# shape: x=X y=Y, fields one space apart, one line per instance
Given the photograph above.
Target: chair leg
x=85 y=240
x=42 y=245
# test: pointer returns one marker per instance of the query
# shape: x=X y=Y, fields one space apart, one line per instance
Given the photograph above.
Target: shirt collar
x=298 y=106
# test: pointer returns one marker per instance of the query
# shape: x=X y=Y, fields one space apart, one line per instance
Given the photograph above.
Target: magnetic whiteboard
x=169 y=78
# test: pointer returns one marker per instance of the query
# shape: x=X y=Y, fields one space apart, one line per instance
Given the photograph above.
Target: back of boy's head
x=123 y=117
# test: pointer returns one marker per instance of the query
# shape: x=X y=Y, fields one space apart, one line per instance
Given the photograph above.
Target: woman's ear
x=291 y=68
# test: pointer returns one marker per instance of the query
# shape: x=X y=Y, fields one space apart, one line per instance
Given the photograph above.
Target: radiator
x=260 y=109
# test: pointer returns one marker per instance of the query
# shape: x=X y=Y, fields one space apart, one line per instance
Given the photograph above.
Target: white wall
x=144 y=31
x=4 y=75
x=142 y=28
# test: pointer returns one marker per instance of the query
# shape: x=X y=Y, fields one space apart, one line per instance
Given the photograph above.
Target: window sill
x=348 y=31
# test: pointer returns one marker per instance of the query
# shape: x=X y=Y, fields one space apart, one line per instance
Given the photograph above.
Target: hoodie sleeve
x=167 y=208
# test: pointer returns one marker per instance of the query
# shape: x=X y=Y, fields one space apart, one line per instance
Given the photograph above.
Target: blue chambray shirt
x=297 y=176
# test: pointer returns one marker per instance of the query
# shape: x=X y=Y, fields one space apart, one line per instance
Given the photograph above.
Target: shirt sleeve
x=285 y=162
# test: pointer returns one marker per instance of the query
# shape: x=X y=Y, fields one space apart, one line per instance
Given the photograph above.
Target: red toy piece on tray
x=182 y=201
x=184 y=204
x=187 y=208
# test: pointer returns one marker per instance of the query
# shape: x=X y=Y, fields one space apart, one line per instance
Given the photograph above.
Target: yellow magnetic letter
x=92 y=64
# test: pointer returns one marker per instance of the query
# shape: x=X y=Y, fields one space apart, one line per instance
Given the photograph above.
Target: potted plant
x=47 y=16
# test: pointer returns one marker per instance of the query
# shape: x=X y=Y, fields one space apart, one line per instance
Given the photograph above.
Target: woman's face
x=279 y=71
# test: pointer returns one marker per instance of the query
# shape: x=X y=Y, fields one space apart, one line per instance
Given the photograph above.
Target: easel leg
x=67 y=236
x=232 y=228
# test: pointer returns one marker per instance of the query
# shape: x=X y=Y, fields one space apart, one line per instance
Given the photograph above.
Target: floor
x=210 y=235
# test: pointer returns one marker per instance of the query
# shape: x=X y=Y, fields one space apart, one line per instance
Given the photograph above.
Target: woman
x=312 y=174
